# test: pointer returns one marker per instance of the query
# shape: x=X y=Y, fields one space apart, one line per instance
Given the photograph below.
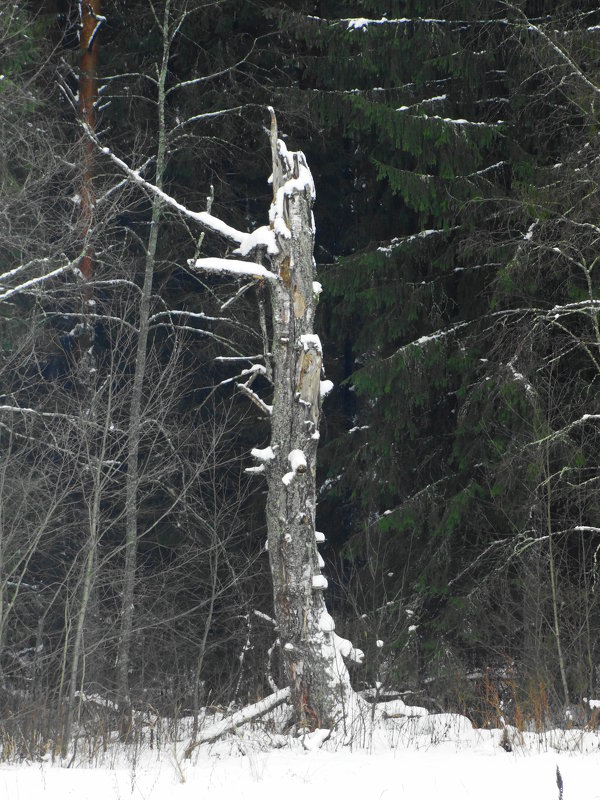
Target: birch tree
x=132 y=479
x=313 y=652
x=169 y=24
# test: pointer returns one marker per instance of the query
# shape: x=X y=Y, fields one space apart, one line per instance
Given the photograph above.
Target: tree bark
x=319 y=680
x=88 y=95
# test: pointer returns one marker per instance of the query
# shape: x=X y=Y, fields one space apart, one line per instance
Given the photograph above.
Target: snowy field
x=437 y=756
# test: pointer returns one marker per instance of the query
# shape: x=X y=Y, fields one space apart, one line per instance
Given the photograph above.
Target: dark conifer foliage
x=460 y=118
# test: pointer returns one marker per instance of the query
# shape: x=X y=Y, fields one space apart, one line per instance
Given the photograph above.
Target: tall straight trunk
x=88 y=579
x=554 y=586
x=88 y=95
x=319 y=680
x=132 y=480
x=90 y=23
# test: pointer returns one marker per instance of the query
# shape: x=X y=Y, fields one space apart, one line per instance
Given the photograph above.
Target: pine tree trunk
x=88 y=95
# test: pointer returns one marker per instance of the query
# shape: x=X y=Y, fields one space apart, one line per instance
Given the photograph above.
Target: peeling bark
x=319 y=681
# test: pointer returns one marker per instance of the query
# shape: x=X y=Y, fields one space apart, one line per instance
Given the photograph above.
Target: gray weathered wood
x=319 y=681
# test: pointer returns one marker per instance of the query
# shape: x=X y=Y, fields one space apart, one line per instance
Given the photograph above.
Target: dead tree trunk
x=319 y=680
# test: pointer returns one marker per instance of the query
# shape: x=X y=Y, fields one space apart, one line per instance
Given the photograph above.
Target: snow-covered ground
x=437 y=756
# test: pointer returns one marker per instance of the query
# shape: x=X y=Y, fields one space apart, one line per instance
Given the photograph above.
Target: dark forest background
x=455 y=151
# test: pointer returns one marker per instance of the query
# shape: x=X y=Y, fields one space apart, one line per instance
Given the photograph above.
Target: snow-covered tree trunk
x=314 y=655
x=319 y=680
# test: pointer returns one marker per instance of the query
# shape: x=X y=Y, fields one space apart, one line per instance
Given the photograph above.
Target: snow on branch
x=203 y=218
x=363 y=23
x=402 y=240
x=206 y=115
x=187 y=315
x=235 y=720
x=22 y=267
x=100 y=20
x=566 y=428
x=261 y=237
x=42 y=414
x=263 y=454
x=240 y=358
x=552 y=315
x=234 y=267
x=24 y=287
x=204 y=78
x=562 y=54
x=264 y=407
x=452 y=121
x=440 y=334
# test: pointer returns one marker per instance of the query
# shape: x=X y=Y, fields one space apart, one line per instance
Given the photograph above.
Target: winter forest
x=299 y=364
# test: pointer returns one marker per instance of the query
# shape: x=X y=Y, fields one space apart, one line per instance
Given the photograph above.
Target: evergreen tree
x=452 y=121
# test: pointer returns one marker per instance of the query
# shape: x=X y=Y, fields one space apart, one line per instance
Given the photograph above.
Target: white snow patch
x=313 y=741
x=297 y=460
x=233 y=266
x=263 y=454
x=311 y=341
x=325 y=388
x=326 y=622
x=529 y=235
x=346 y=649
x=261 y=237
x=402 y=759
x=399 y=708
